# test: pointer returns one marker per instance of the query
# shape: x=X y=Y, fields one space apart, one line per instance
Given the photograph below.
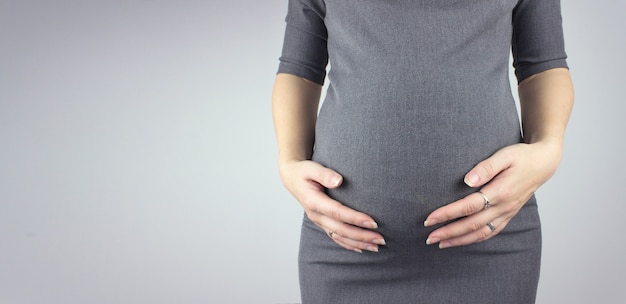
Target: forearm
x=294 y=109
x=546 y=101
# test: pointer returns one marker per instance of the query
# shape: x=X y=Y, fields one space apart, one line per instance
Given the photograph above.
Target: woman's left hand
x=508 y=179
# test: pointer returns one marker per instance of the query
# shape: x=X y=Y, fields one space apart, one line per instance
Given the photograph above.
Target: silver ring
x=491 y=226
x=487 y=202
x=330 y=234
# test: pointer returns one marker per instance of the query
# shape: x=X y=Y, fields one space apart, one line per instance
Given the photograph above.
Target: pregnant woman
x=416 y=176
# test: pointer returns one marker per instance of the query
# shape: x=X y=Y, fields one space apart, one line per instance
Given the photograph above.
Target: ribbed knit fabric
x=418 y=94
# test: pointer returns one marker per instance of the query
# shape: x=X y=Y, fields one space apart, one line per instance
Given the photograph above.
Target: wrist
x=552 y=140
x=286 y=161
x=286 y=164
x=550 y=150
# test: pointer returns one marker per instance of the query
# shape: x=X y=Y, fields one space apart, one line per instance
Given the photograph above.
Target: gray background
x=137 y=156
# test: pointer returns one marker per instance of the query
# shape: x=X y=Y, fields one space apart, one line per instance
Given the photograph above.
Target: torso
x=414 y=101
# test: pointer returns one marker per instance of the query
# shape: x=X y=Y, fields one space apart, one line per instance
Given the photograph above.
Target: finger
x=466 y=206
x=487 y=169
x=470 y=230
x=331 y=215
x=324 y=176
x=332 y=235
x=346 y=246
x=354 y=245
x=324 y=205
x=479 y=235
x=459 y=228
x=352 y=235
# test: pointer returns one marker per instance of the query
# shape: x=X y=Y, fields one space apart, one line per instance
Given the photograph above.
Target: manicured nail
x=372 y=248
x=444 y=245
x=431 y=241
x=430 y=222
x=472 y=179
x=357 y=250
x=380 y=242
x=371 y=225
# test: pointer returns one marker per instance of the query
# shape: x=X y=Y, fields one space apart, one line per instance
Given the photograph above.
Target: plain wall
x=138 y=160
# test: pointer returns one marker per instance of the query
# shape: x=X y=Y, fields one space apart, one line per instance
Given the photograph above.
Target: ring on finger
x=330 y=234
x=491 y=226
x=487 y=202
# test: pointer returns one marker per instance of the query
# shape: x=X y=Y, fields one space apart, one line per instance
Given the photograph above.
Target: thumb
x=326 y=177
x=487 y=169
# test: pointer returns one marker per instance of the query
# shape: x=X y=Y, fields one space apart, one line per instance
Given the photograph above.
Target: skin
x=508 y=178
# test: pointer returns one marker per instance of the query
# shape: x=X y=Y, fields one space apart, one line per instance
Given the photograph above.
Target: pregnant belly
x=399 y=170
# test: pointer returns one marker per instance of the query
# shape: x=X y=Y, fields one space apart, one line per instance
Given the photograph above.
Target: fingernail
x=357 y=250
x=371 y=225
x=430 y=222
x=372 y=248
x=444 y=245
x=380 y=242
x=335 y=181
x=472 y=179
x=431 y=241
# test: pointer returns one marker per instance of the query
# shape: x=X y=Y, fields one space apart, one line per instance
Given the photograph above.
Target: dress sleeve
x=304 y=48
x=538 y=43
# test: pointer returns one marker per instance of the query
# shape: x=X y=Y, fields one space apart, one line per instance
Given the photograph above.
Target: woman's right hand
x=307 y=180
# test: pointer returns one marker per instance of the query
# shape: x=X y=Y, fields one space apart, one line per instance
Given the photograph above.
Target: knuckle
x=509 y=155
x=469 y=208
x=360 y=237
x=337 y=235
x=308 y=203
x=506 y=193
x=488 y=169
x=483 y=235
x=513 y=208
x=347 y=217
x=347 y=233
x=334 y=213
x=320 y=175
x=476 y=226
x=316 y=220
x=444 y=236
x=312 y=218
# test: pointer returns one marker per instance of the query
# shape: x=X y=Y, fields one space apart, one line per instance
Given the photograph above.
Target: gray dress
x=418 y=94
